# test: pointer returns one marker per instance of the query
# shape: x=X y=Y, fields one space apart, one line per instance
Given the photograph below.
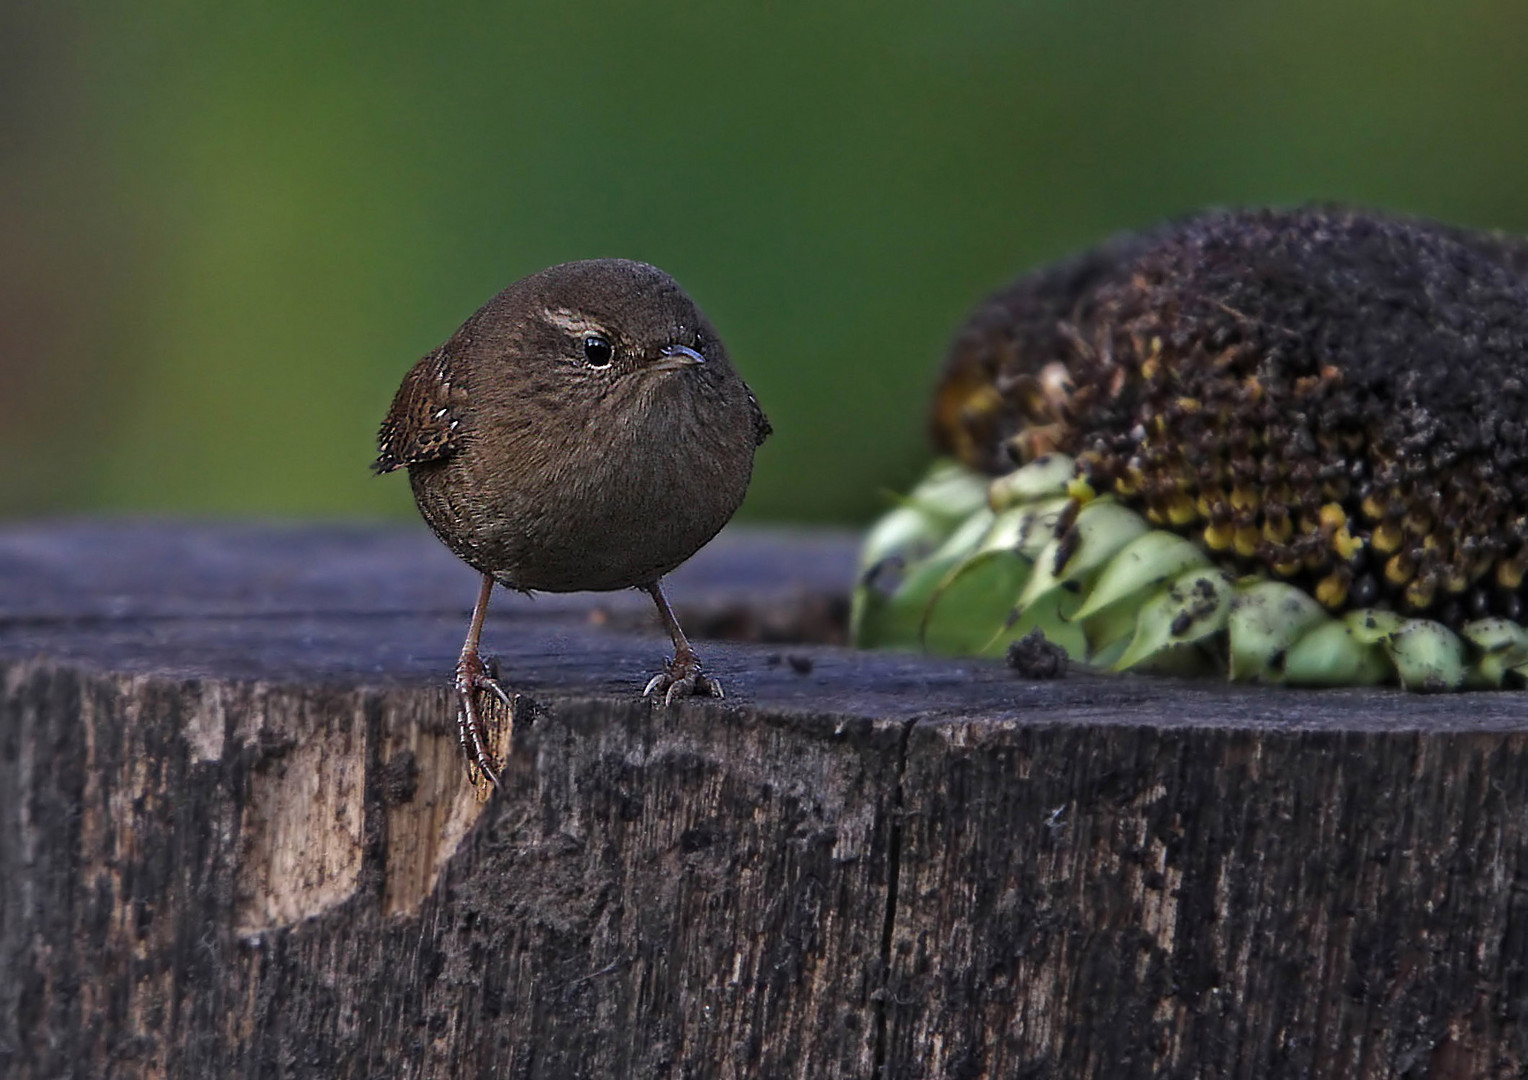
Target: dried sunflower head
x=1332 y=400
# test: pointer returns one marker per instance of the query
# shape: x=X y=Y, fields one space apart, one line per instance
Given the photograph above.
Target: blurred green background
x=227 y=230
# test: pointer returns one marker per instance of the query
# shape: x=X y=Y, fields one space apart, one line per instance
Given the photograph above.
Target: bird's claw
x=683 y=678
x=472 y=677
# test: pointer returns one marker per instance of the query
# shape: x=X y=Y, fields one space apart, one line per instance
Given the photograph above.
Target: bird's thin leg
x=683 y=654
x=683 y=674
x=472 y=676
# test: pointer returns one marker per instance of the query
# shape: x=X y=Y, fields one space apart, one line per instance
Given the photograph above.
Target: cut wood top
x=348 y=604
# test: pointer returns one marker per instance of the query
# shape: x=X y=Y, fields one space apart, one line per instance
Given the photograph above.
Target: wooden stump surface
x=236 y=838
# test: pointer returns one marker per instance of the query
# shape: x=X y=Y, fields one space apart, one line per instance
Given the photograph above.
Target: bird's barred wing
x=426 y=416
x=762 y=429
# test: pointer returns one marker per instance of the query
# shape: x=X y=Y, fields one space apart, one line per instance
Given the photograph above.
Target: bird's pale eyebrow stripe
x=571 y=321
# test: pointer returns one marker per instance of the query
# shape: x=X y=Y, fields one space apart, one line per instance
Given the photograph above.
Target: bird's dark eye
x=597 y=351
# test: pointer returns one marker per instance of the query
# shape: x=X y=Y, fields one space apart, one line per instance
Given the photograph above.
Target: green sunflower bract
x=967 y=564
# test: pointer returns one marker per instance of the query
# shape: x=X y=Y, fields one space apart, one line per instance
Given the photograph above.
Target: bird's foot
x=682 y=677
x=478 y=728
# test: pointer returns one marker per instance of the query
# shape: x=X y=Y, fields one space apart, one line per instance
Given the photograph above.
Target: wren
x=583 y=431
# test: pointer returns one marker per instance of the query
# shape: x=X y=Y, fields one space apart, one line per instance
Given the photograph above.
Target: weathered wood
x=235 y=840
x=1145 y=902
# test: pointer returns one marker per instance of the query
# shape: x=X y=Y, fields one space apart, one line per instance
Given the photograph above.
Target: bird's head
x=604 y=327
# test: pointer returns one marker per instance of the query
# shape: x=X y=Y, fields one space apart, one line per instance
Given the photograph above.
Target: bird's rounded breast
x=606 y=491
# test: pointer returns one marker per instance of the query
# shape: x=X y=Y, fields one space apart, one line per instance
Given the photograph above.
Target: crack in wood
x=893 y=882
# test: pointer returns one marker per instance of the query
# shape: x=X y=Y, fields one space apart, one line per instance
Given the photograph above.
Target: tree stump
x=236 y=839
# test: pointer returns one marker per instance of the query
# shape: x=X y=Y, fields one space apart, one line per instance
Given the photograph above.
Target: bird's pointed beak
x=676 y=357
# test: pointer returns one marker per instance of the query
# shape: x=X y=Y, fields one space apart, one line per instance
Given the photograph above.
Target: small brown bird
x=584 y=431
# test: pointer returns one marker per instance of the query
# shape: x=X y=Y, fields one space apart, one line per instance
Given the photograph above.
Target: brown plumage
x=584 y=430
